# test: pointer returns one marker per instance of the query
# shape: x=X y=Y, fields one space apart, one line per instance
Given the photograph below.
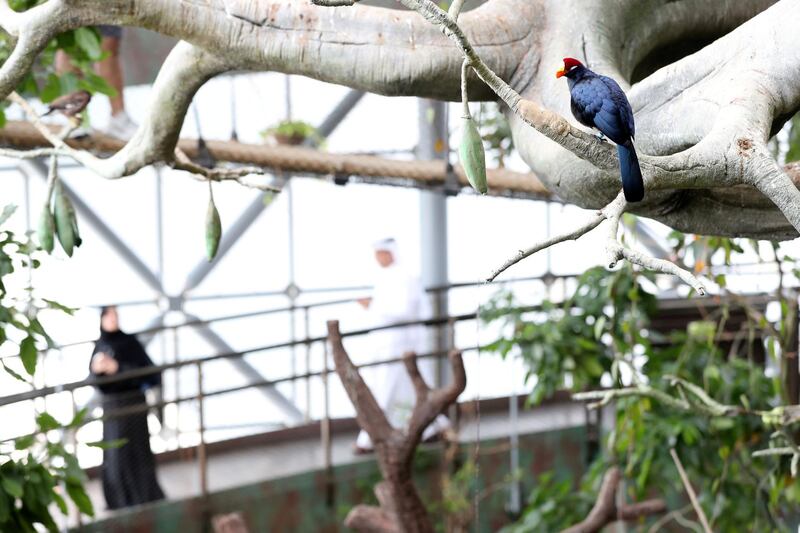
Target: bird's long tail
x=632 y=183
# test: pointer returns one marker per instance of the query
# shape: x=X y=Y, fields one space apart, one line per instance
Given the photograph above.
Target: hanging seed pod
x=473 y=158
x=66 y=224
x=46 y=230
x=213 y=227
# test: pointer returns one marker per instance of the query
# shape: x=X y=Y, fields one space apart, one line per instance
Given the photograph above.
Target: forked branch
x=606 y=511
x=401 y=508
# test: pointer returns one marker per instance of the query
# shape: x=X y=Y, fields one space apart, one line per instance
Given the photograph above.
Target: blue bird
x=599 y=102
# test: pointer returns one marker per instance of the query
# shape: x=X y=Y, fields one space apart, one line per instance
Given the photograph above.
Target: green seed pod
x=46 y=230
x=473 y=158
x=213 y=229
x=65 y=220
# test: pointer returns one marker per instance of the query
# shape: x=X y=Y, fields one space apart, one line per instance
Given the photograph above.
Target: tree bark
x=401 y=508
x=703 y=120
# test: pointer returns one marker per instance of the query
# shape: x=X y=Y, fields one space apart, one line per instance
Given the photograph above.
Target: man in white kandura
x=397 y=296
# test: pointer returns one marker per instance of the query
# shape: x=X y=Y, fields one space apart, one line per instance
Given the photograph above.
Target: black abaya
x=128 y=472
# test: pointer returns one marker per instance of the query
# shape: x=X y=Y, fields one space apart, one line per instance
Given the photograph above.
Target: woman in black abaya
x=128 y=472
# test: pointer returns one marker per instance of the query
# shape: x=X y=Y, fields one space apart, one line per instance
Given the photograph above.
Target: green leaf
x=46 y=422
x=89 y=41
x=59 y=307
x=5 y=508
x=62 y=505
x=36 y=327
x=28 y=354
x=51 y=89
x=96 y=84
x=7 y=212
x=23 y=443
x=12 y=373
x=12 y=486
x=2 y=117
x=108 y=444
x=78 y=495
x=79 y=417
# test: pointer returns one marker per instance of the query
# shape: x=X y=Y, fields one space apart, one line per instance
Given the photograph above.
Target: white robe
x=398 y=297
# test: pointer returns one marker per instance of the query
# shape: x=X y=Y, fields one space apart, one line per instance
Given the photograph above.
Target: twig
x=605 y=396
x=27 y=154
x=455 y=9
x=182 y=162
x=334 y=3
x=664 y=520
x=690 y=491
x=773 y=451
x=570 y=236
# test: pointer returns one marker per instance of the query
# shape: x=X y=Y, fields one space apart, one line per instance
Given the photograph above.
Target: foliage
x=292 y=132
x=554 y=504
x=580 y=340
x=82 y=46
x=496 y=132
x=36 y=470
x=603 y=336
x=794 y=139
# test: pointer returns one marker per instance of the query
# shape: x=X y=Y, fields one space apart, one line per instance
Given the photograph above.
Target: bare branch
x=433 y=403
x=182 y=162
x=605 y=510
x=617 y=251
x=420 y=387
x=368 y=413
x=690 y=491
x=334 y=3
x=569 y=236
x=773 y=451
x=455 y=9
x=401 y=508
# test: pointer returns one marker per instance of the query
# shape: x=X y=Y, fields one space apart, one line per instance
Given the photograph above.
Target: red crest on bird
x=569 y=64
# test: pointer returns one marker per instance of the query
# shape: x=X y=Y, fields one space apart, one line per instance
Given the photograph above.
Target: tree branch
x=370 y=416
x=605 y=510
x=701 y=515
x=401 y=508
x=431 y=404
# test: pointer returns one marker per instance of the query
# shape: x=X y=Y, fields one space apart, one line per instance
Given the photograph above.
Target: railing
x=201 y=396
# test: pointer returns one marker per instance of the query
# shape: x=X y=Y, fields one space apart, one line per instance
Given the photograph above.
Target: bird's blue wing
x=586 y=101
x=621 y=106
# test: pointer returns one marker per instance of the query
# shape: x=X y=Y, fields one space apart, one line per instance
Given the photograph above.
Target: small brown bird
x=70 y=104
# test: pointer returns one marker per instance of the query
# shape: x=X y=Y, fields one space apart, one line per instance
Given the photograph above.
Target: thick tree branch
x=431 y=404
x=605 y=510
x=401 y=508
x=368 y=413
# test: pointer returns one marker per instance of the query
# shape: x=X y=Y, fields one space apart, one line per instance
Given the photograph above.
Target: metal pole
x=287 y=81
x=433 y=218
x=201 y=448
x=160 y=224
x=325 y=431
x=176 y=358
x=514 y=496
x=308 y=362
x=291 y=289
